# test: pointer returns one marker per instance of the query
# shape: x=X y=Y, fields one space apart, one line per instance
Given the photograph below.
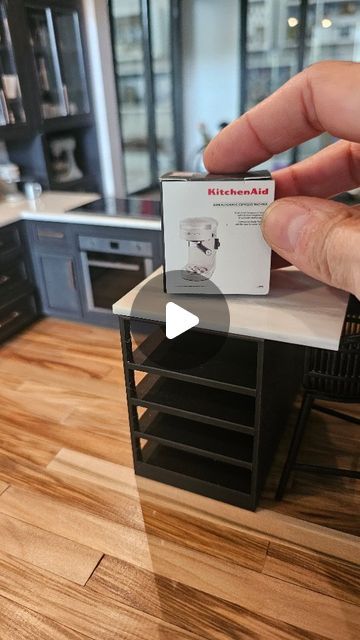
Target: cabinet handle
x=4 y=279
x=72 y=281
x=51 y=234
x=122 y=266
x=13 y=315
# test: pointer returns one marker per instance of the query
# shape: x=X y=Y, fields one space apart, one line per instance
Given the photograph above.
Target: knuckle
x=326 y=247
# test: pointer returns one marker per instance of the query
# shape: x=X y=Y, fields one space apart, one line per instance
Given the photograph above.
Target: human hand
x=319 y=236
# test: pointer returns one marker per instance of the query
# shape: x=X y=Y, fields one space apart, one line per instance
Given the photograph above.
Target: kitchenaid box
x=211 y=232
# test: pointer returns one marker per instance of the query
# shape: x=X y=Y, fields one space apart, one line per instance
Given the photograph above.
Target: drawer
x=13 y=277
x=50 y=234
x=10 y=243
x=17 y=315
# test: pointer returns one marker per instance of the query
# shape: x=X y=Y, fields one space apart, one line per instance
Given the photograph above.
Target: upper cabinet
x=56 y=45
x=43 y=84
x=46 y=118
x=15 y=108
x=11 y=100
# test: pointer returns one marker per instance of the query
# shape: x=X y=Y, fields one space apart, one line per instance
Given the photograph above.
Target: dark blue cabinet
x=81 y=281
x=57 y=283
x=17 y=297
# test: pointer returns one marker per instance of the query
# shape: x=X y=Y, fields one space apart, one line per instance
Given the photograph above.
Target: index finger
x=323 y=97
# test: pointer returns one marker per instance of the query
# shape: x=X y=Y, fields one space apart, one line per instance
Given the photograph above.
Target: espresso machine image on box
x=203 y=243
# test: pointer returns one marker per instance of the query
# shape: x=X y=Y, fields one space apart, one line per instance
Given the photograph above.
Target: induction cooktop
x=133 y=207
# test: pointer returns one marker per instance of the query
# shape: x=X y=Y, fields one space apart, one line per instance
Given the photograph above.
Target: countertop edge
x=54 y=206
x=97 y=220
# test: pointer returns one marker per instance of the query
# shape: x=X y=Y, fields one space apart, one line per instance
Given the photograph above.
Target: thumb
x=320 y=237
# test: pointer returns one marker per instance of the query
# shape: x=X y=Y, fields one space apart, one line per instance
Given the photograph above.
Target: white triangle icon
x=178 y=320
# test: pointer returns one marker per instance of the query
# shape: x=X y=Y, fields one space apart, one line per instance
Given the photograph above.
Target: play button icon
x=178 y=320
x=169 y=332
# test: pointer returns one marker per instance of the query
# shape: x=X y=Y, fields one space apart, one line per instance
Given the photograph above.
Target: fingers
x=323 y=97
x=320 y=237
x=330 y=171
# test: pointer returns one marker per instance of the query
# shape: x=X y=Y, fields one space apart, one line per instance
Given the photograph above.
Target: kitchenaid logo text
x=255 y=191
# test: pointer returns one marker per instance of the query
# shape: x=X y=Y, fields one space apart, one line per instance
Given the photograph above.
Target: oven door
x=109 y=276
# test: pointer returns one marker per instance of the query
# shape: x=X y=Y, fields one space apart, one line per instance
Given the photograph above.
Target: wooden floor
x=89 y=551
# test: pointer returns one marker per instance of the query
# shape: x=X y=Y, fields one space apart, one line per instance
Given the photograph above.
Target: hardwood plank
x=328 y=501
x=3 y=486
x=57 y=360
x=103 y=340
x=100 y=413
x=189 y=608
x=11 y=380
x=46 y=407
x=48 y=371
x=72 y=606
x=49 y=551
x=317 y=572
x=93 y=348
x=242 y=547
x=108 y=443
x=19 y=623
x=39 y=450
x=116 y=373
x=18 y=471
x=284 y=601
x=264 y=522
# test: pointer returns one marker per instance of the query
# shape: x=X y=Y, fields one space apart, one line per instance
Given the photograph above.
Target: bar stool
x=329 y=375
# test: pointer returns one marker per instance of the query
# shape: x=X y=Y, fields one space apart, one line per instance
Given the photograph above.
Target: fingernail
x=283 y=224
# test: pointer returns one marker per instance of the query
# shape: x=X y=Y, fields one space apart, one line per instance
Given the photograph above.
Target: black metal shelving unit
x=212 y=430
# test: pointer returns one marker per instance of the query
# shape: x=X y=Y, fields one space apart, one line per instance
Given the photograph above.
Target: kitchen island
x=213 y=429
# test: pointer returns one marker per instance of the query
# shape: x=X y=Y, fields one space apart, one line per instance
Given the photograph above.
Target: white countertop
x=298 y=310
x=53 y=206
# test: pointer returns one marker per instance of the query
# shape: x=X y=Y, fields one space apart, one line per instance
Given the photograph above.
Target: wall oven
x=111 y=268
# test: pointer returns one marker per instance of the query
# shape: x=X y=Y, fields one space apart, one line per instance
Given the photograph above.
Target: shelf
x=85 y=182
x=198 y=468
x=198 y=438
x=217 y=407
x=234 y=368
x=64 y=123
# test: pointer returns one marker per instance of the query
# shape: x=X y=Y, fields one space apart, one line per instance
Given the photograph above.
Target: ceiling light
x=326 y=23
x=293 y=22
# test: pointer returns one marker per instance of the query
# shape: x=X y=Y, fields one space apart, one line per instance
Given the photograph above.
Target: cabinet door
x=11 y=101
x=57 y=281
x=43 y=43
x=70 y=51
x=57 y=48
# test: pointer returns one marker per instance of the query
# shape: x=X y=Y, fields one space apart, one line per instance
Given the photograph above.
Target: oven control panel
x=109 y=245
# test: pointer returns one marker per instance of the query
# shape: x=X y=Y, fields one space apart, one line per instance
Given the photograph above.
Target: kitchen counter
x=54 y=205
x=298 y=310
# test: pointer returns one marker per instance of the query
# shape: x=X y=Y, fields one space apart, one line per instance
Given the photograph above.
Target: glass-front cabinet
x=70 y=51
x=284 y=36
x=332 y=33
x=56 y=45
x=143 y=50
x=11 y=99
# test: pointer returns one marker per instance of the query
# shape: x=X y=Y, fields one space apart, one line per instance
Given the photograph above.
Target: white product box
x=211 y=232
